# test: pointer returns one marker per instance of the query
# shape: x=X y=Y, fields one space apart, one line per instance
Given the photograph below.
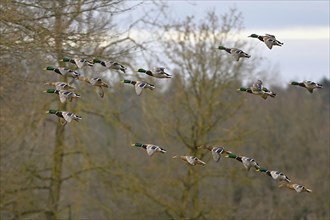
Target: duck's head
x=136 y=145
x=231 y=155
x=65 y=59
x=242 y=89
x=51 y=111
x=141 y=70
x=51 y=91
x=97 y=61
x=261 y=169
x=254 y=36
x=221 y=48
x=294 y=83
x=126 y=81
x=49 y=68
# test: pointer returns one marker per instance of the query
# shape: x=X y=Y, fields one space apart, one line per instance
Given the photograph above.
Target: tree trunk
x=56 y=182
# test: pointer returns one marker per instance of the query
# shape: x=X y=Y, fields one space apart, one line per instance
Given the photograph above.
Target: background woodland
x=88 y=170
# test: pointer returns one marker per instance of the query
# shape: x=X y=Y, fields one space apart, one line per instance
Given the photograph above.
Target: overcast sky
x=303 y=26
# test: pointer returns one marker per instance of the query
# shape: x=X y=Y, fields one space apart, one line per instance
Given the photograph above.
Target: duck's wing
x=246 y=163
x=64 y=95
x=270 y=35
x=94 y=81
x=269 y=41
x=200 y=162
x=216 y=156
x=139 y=86
x=309 y=90
x=99 y=91
x=151 y=149
x=264 y=96
x=216 y=153
x=257 y=86
x=79 y=63
x=236 y=53
x=159 y=69
x=67 y=116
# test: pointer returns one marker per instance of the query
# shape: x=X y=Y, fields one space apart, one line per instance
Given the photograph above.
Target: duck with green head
x=139 y=85
x=192 y=160
x=268 y=39
x=258 y=89
x=64 y=94
x=150 y=148
x=276 y=175
x=309 y=85
x=158 y=72
x=246 y=161
x=77 y=61
x=216 y=151
x=236 y=53
x=294 y=186
x=111 y=65
x=67 y=116
x=63 y=71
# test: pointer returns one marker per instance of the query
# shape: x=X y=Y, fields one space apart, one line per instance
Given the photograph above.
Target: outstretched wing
x=63 y=96
x=269 y=42
x=270 y=35
x=151 y=149
x=139 y=86
x=67 y=116
x=99 y=91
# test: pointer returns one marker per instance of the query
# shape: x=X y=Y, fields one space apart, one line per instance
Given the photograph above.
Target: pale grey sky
x=303 y=26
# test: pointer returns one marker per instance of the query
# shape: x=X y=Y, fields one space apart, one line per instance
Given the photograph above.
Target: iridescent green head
x=141 y=70
x=97 y=61
x=221 y=48
x=231 y=155
x=51 y=91
x=66 y=59
x=137 y=145
x=126 y=81
x=52 y=111
x=294 y=83
x=242 y=89
x=50 y=68
x=254 y=36
x=261 y=169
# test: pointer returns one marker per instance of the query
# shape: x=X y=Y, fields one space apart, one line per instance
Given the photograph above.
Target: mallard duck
x=192 y=160
x=237 y=53
x=139 y=85
x=63 y=71
x=158 y=72
x=298 y=188
x=268 y=39
x=309 y=85
x=111 y=65
x=216 y=151
x=63 y=94
x=78 y=62
x=98 y=83
x=276 y=175
x=60 y=85
x=67 y=116
x=247 y=162
x=150 y=148
x=258 y=89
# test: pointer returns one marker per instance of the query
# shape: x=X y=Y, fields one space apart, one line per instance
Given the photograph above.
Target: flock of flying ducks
x=65 y=93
